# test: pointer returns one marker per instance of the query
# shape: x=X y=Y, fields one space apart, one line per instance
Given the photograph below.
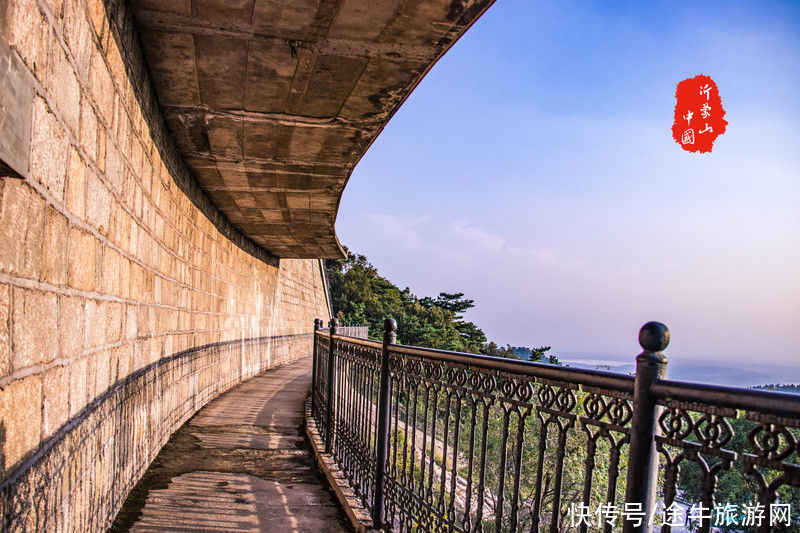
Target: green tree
x=538 y=354
x=359 y=295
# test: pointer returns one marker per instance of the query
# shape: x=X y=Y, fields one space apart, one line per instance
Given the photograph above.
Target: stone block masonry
x=126 y=300
x=79 y=478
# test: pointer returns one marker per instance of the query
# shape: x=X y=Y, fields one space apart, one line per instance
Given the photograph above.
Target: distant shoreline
x=742 y=374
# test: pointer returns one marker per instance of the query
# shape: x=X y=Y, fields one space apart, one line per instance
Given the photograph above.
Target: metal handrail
x=772 y=402
x=358 y=331
x=594 y=378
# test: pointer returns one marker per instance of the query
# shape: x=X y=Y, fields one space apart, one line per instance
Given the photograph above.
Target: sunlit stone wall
x=126 y=302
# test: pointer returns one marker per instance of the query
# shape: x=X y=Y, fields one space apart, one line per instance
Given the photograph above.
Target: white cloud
x=445 y=236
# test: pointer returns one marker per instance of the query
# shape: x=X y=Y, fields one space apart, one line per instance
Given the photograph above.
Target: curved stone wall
x=126 y=300
x=79 y=478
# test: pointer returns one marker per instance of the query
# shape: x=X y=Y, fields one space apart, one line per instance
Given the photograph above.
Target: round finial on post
x=651 y=366
x=317 y=324
x=333 y=325
x=654 y=337
x=390 y=330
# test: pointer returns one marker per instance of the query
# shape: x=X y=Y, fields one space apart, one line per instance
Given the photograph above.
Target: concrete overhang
x=271 y=103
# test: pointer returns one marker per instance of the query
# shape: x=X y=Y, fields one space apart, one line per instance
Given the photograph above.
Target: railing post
x=384 y=406
x=314 y=361
x=332 y=325
x=651 y=365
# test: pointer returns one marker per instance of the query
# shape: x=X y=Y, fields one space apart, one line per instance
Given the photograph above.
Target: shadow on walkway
x=242 y=463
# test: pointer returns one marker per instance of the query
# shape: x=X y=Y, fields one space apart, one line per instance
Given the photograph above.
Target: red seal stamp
x=699 y=116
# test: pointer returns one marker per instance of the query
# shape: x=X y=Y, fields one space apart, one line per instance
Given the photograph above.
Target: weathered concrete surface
x=272 y=103
x=241 y=464
x=16 y=111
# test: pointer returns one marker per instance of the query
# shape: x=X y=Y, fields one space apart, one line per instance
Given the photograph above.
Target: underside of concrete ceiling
x=273 y=102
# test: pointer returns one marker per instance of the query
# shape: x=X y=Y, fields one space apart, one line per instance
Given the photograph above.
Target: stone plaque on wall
x=16 y=112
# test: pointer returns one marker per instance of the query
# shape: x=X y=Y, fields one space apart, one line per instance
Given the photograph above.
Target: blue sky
x=534 y=170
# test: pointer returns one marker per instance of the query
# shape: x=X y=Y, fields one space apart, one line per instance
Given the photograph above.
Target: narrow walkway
x=242 y=463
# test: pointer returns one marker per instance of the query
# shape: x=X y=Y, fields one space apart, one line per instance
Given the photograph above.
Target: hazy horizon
x=533 y=169
x=699 y=370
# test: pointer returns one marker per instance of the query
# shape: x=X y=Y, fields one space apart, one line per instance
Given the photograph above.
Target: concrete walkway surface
x=242 y=463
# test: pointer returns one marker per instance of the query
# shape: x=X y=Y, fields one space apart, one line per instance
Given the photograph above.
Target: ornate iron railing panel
x=475 y=443
x=355 y=413
x=747 y=438
x=319 y=379
x=477 y=447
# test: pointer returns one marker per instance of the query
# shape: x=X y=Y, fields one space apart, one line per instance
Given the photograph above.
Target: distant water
x=736 y=374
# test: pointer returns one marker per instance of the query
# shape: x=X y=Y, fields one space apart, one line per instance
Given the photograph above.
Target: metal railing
x=431 y=440
x=359 y=331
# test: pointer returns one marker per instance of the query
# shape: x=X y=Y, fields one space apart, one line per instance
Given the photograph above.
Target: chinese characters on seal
x=699 y=116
